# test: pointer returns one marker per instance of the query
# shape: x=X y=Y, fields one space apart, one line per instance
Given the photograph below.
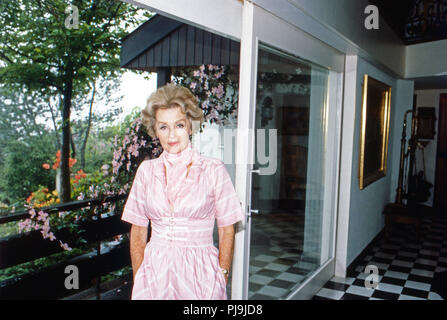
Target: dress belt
x=182 y=232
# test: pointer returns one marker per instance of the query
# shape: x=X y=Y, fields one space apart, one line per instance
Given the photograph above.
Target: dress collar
x=183 y=156
x=194 y=170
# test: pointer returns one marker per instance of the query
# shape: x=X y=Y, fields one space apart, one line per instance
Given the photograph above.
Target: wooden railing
x=49 y=282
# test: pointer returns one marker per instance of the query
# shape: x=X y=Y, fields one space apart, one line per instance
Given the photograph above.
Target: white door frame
x=261 y=26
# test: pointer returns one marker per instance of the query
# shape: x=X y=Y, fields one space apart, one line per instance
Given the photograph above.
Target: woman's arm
x=226 y=246
x=138 y=240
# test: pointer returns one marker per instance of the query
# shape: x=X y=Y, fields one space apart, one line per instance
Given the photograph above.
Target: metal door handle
x=255 y=171
x=252 y=211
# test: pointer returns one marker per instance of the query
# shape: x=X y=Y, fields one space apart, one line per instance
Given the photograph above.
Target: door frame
x=260 y=26
x=442 y=112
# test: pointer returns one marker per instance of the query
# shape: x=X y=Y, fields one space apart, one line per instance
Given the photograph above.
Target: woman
x=181 y=193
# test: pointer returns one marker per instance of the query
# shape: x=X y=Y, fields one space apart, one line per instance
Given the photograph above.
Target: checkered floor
x=405 y=263
x=276 y=261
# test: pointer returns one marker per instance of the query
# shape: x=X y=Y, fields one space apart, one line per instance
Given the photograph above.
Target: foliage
x=41 y=53
x=213 y=87
x=84 y=185
x=38 y=264
x=136 y=146
x=19 y=171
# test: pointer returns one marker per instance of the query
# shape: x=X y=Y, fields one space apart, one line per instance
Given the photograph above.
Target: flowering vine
x=213 y=87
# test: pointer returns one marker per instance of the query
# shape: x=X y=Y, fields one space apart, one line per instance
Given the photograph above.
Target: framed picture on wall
x=374 y=130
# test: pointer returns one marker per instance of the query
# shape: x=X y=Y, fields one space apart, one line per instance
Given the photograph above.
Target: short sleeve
x=226 y=200
x=135 y=209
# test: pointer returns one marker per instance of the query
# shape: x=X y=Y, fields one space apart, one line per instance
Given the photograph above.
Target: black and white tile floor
x=406 y=266
x=276 y=262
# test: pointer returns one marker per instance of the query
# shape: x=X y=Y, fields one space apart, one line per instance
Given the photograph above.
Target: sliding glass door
x=292 y=159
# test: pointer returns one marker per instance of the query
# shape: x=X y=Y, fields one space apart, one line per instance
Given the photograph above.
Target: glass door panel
x=287 y=193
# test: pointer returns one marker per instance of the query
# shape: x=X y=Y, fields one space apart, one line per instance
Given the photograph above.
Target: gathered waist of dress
x=182 y=232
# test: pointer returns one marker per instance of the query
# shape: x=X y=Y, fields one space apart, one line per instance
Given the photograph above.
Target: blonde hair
x=172 y=96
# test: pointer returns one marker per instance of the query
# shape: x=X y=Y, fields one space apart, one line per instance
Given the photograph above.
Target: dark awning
x=164 y=42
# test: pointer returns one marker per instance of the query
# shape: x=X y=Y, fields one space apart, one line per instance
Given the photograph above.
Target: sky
x=135 y=90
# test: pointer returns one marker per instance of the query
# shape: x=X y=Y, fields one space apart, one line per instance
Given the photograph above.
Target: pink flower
x=42 y=216
x=25 y=225
x=115 y=166
x=220 y=74
x=46 y=226
x=219 y=91
x=193 y=85
x=32 y=213
x=196 y=73
x=133 y=149
x=65 y=246
x=126 y=140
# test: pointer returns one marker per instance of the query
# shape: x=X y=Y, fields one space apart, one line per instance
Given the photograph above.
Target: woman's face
x=172 y=128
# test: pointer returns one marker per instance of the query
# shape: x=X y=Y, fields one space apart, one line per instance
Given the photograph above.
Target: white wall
x=366 y=205
x=429 y=98
x=426 y=59
x=340 y=24
x=361 y=217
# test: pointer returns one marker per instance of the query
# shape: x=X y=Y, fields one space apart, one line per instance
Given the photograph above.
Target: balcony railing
x=49 y=282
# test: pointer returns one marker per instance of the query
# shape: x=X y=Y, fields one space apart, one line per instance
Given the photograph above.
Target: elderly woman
x=182 y=194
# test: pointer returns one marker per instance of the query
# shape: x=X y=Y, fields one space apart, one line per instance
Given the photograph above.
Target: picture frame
x=374 y=130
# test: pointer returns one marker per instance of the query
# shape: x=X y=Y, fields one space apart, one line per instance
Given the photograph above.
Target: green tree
x=40 y=52
x=22 y=170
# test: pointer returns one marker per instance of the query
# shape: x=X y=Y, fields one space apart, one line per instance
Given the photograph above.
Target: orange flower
x=81 y=174
x=71 y=162
x=46 y=166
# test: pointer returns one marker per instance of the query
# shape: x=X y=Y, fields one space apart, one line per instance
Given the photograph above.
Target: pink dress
x=180 y=260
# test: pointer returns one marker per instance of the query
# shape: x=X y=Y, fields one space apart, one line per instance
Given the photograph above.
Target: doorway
x=440 y=201
x=292 y=85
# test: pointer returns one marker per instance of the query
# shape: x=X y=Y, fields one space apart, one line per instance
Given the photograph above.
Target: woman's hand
x=138 y=240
